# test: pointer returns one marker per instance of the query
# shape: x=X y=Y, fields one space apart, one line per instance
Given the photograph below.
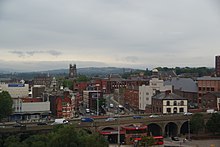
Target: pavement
x=192 y=143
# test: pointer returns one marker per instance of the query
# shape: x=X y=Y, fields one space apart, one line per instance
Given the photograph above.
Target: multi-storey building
x=90 y=98
x=217 y=65
x=42 y=80
x=211 y=100
x=37 y=91
x=207 y=84
x=15 y=89
x=30 y=108
x=146 y=92
x=131 y=99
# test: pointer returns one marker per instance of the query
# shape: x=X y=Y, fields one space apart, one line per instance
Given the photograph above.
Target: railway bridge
x=172 y=125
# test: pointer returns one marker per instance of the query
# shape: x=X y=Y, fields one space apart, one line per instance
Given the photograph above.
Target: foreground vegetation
x=61 y=136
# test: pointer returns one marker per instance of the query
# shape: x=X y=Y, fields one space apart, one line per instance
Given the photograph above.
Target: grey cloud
x=32 y=53
x=19 y=53
x=54 y=52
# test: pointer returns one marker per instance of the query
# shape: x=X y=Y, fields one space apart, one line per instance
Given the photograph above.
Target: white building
x=146 y=92
x=15 y=89
x=30 y=109
x=169 y=103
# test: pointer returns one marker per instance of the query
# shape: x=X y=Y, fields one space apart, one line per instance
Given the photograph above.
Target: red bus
x=158 y=140
x=134 y=132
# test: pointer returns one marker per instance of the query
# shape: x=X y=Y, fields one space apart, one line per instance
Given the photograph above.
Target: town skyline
x=40 y=35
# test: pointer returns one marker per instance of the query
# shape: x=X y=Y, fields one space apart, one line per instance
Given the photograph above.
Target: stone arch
x=184 y=129
x=108 y=128
x=154 y=129
x=171 y=129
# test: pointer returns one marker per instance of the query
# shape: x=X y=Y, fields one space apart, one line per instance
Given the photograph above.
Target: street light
x=97 y=100
x=118 y=122
x=188 y=129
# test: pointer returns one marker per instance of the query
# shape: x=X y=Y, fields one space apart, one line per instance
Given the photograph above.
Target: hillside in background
x=90 y=71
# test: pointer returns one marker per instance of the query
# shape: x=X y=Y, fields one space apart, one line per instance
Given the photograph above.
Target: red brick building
x=217 y=65
x=64 y=108
x=211 y=100
x=131 y=99
x=207 y=84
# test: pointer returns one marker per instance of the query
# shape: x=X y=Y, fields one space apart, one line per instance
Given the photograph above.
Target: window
x=169 y=110
x=181 y=110
x=182 y=103
x=168 y=103
x=174 y=103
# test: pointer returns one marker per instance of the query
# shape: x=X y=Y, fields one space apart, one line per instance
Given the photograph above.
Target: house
x=169 y=103
x=185 y=87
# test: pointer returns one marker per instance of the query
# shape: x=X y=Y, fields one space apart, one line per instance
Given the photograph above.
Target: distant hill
x=89 y=71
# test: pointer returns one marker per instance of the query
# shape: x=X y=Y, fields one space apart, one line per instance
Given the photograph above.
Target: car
x=18 y=125
x=175 y=138
x=137 y=117
x=87 y=110
x=87 y=119
x=188 y=113
x=41 y=123
x=110 y=119
x=111 y=105
x=153 y=116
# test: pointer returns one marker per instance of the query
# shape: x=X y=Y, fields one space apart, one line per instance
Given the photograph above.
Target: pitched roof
x=170 y=96
x=182 y=84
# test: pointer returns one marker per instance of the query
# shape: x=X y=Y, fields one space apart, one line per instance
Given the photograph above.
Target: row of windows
x=181 y=103
x=206 y=88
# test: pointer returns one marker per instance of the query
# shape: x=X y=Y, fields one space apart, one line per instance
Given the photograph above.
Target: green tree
x=82 y=78
x=213 y=124
x=68 y=83
x=14 y=141
x=147 y=140
x=5 y=104
x=197 y=123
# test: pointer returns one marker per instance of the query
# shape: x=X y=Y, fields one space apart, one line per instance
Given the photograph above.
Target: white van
x=111 y=105
x=60 y=121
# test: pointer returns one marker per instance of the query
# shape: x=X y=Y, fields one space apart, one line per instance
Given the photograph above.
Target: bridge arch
x=171 y=129
x=154 y=129
x=184 y=129
x=108 y=128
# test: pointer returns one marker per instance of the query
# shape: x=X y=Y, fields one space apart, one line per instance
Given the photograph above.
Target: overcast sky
x=121 y=33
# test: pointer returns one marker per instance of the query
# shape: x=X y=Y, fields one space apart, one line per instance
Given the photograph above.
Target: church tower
x=72 y=71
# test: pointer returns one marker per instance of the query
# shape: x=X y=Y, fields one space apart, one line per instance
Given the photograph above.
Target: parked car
x=41 y=123
x=188 y=113
x=110 y=119
x=87 y=119
x=175 y=138
x=19 y=125
x=153 y=116
x=137 y=117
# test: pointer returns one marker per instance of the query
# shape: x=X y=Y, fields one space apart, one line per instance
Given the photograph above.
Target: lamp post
x=119 y=142
x=188 y=129
x=97 y=100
